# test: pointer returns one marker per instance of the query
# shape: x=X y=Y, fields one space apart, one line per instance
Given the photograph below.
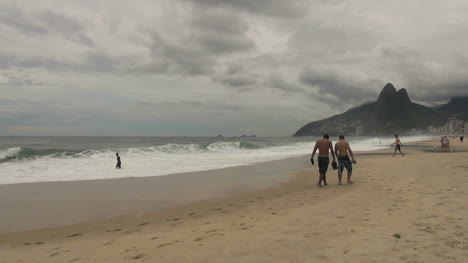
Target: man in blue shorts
x=341 y=150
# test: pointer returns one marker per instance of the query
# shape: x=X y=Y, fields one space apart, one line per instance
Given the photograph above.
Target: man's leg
x=340 y=175
x=349 y=178
x=325 y=179
x=319 y=184
x=394 y=153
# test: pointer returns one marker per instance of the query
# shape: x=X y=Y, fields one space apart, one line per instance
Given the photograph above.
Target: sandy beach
x=401 y=209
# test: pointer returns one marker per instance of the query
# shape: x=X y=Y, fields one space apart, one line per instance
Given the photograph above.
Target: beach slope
x=401 y=209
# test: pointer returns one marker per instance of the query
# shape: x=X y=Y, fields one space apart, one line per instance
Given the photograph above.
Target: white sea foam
x=37 y=166
x=9 y=153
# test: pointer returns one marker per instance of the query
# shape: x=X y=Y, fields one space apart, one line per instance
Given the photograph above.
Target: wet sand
x=64 y=203
x=401 y=209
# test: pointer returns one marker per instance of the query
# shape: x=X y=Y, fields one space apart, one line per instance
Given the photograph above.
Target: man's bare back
x=324 y=146
x=341 y=148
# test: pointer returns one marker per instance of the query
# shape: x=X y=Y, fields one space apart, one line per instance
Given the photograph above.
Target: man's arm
x=336 y=150
x=350 y=152
x=315 y=150
x=332 y=152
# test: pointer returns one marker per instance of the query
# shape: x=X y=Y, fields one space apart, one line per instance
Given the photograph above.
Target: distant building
x=453 y=126
x=359 y=130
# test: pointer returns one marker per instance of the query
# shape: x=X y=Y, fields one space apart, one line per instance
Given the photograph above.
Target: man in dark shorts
x=341 y=150
x=398 y=145
x=119 y=163
x=324 y=146
x=461 y=138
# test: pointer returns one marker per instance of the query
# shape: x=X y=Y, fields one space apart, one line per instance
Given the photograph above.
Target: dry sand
x=421 y=197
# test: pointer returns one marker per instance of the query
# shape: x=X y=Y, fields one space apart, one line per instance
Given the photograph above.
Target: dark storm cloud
x=100 y=62
x=212 y=34
x=278 y=81
x=69 y=27
x=20 y=20
x=346 y=87
x=90 y=61
x=265 y=58
x=427 y=78
x=236 y=76
x=11 y=60
x=205 y=105
x=43 y=23
x=276 y=8
x=176 y=58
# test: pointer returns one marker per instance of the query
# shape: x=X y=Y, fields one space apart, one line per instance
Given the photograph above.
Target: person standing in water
x=341 y=150
x=324 y=146
x=398 y=145
x=119 y=163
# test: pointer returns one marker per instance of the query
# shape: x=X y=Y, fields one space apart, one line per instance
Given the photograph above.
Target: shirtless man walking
x=324 y=146
x=398 y=145
x=341 y=150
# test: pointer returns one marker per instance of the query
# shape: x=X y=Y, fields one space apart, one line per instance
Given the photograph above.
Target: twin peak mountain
x=393 y=112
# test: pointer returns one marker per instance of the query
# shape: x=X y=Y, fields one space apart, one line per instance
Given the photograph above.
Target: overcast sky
x=208 y=67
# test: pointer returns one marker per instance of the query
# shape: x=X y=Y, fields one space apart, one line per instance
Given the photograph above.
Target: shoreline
x=352 y=223
x=54 y=204
x=138 y=165
x=62 y=203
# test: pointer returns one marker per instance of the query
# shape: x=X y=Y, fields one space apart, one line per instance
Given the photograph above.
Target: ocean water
x=43 y=159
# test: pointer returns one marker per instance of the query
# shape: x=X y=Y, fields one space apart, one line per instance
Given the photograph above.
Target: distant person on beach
x=324 y=146
x=341 y=150
x=461 y=138
x=445 y=142
x=398 y=145
x=119 y=163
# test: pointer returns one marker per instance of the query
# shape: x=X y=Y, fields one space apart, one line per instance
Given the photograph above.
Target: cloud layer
x=204 y=67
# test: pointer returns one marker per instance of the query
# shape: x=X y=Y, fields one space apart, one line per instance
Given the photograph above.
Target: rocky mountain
x=393 y=112
x=456 y=107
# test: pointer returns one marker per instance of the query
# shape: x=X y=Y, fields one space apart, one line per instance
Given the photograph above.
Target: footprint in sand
x=114 y=230
x=139 y=256
x=143 y=224
x=132 y=249
x=109 y=242
x=74 y=235
x=164 y=245
x=74 y=260
x=191 y=214
x=199 y=239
